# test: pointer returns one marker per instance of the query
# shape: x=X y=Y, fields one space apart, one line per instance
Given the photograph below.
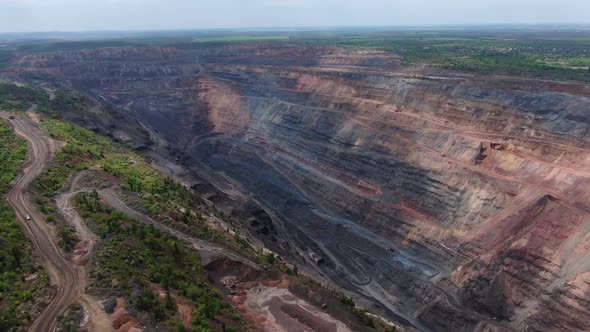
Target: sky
x=92 y=15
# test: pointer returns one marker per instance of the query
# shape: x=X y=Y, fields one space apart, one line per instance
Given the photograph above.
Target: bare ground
x=277 y=309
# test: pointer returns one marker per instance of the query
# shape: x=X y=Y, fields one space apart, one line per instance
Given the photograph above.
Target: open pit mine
x=442 y=201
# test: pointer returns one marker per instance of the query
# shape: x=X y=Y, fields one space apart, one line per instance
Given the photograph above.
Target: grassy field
x=16 y=290
x=85 y=148
x=239 y=39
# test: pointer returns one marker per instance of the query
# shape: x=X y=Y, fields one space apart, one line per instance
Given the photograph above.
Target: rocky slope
x=448 y=201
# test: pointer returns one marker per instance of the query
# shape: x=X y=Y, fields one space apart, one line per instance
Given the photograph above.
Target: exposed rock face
x=454 y=202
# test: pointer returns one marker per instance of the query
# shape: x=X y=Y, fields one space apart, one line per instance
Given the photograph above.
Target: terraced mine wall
x=447 y=201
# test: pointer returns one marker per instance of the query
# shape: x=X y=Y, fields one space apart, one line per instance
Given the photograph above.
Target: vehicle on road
x=28 y=216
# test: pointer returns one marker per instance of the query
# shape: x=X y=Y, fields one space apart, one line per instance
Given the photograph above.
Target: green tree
x=168 y=302
x=270 y=258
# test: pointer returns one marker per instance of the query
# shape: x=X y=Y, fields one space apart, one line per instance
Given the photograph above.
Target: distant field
x=237 y=39
x=555 y=55
x=52 y=46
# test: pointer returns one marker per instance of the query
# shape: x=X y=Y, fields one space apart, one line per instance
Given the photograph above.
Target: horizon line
x=305 y=28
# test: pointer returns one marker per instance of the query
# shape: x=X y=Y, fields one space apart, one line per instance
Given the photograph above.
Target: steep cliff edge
x=451 y=201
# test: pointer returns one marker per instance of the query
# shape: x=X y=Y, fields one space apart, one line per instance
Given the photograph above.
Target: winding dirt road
x=65 y=277
x=98 y=320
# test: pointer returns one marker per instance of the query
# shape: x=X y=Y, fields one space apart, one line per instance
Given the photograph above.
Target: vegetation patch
x=133 y=256
x=16 y=98
x=70 y=321
x=544 y=55
x=162 y=197
x=85 y=149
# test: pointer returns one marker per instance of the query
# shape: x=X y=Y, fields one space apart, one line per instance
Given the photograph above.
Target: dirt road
x=62 y=275
x=98 y=320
